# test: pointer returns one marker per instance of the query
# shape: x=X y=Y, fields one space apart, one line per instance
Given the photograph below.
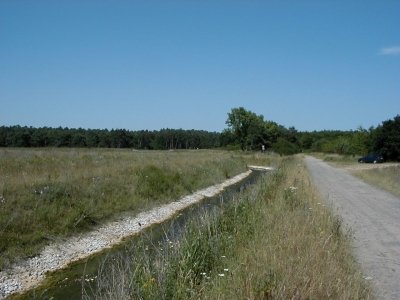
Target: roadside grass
x=48 y=194
x=337 y=159
x=383 y=176
x=275 y=241
x=387 y=178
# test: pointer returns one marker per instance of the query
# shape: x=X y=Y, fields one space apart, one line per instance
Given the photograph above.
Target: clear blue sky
x=315 y=65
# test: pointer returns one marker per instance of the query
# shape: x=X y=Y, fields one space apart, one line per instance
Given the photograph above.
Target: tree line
x=250 y=131
x=17 y=136
x=245 y=130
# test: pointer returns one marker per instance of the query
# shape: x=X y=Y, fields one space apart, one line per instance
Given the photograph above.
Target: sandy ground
x=374 y=219
x=29 y=273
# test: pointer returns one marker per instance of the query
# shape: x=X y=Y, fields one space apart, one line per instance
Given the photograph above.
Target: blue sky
x=184 y=64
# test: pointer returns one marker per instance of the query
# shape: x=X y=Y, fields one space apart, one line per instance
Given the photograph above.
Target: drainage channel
x=67 y=283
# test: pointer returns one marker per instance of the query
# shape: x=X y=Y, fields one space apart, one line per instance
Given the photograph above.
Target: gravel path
x=374 y=218
x=31 y=272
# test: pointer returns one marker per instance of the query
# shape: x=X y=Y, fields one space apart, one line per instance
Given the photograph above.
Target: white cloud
x=390 y=51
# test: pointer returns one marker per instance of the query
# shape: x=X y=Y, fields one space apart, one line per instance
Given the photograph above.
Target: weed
x=154 y=182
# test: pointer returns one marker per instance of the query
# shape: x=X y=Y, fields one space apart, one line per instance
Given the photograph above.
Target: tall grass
x=276 y=241
x=48 y=194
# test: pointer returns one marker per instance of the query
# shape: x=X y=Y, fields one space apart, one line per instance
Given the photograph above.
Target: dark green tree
x=284 y=147
x=247 y=127
x=386 y=139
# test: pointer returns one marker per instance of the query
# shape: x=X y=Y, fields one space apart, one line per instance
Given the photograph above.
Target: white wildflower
x=368 y=278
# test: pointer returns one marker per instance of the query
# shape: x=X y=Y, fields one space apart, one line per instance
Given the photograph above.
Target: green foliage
x=339 y=142
x=386 y=139
x=284 y=147
x=251 y=131
x=246 y=130
x=17 y=136
x=247 y=127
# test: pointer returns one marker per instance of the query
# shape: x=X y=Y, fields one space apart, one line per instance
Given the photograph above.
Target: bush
x=284 y=147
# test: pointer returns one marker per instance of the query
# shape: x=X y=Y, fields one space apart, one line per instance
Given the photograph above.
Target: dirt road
x=374 y=218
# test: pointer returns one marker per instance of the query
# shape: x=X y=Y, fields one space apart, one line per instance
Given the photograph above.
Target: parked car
x=371 y=158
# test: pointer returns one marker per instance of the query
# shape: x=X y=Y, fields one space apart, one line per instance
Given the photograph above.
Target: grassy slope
x=46 y=194
x=276 y=241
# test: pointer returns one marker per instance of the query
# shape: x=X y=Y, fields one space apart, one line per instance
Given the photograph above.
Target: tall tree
x=247 y=127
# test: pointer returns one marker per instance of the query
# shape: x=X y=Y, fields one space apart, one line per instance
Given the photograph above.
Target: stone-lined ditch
x=59 y=270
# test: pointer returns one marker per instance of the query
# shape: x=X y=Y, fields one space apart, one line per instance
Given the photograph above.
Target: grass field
x=387 y=178
x=48 y=194
x=277 y=241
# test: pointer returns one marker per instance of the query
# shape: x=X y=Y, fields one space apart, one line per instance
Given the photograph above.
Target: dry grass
x=337 y=160
x=387 y=178
x=299 y=250
x=46 y=194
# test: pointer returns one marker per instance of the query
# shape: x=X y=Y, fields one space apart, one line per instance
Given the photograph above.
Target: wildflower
x=368 y=278
x=226 y=270
x=204 y=273
x=221 y=275
x=223 y=256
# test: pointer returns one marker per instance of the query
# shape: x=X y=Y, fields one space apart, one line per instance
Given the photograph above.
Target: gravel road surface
x=374 y=219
